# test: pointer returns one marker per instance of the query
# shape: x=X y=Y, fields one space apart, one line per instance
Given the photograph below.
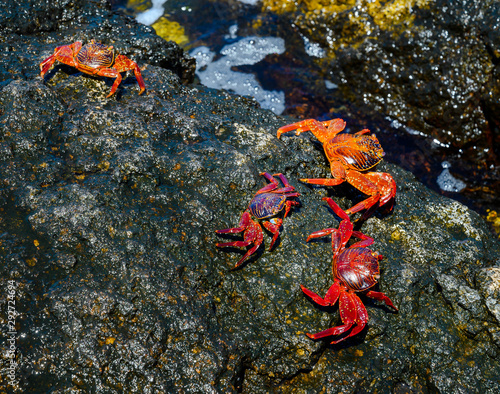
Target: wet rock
x=109 y=211
x=423 y=68
x=64 y=22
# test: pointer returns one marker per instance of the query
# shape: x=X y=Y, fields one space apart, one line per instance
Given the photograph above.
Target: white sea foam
x=233 y=29
x=330 y=84
x=313 y=49
x=448 y=182
x=150 y=16
x=251 y=2
x=247 y=51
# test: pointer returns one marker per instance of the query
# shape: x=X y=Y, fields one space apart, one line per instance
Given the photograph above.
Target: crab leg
x=237 y=244
x=245 y=222
x=371 y=183
x=289 y=204
x=360 y=320
x=321 y=233
x=348 y=314
x=341 y=235
x=339 y=239
x=123 y=63
x=334 y=206
x=345 y=228
x=331 y=295
x=272 y=187
x=242 y=244
x=65 y=54
x=352 y=312
x=365 y=240
x=252 y=235
x=385 y=182
x=364 y=131
x=322 y=181
x=46 y=64
x=247 y=254
x=381 y=297
x=338 y=176
x=299 y=127
x=112 y=73
x=323 y=131
x=283 y=180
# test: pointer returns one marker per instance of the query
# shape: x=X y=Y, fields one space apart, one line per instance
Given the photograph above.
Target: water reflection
x=218 y=74
x=215 y=70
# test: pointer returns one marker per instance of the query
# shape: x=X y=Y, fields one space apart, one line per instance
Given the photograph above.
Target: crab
x=94 y=59
x=350 y=156
x=265 y=205
x=355 y=269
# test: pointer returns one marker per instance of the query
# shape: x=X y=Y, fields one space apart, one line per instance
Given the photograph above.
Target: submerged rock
x=424 y=68
x=426 y=64
x=109 y=211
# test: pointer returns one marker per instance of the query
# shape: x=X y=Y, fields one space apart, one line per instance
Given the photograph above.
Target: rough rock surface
x=108 y=215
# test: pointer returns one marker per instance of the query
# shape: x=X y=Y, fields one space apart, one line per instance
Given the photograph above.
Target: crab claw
x=322 y=130
x=286 y=129
x=273 y=226
x=353 y=314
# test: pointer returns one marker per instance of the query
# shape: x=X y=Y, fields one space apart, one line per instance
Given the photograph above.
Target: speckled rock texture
x=108 y=215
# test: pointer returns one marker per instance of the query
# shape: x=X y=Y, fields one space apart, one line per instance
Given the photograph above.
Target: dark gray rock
x=109 y=211
x=32 y=29
x=424 y=64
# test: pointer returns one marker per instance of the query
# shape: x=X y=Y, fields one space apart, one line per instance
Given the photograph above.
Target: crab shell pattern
x=268 y=202
x=94 y=59
x=350 y=157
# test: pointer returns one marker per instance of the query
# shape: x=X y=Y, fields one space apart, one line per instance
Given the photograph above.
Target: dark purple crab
x=267 y=202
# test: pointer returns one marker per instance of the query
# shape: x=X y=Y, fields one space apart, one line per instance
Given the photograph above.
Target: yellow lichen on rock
x=384 y=13
x=308 y=6
x=139 y=5
x=494 y=219
x=359 y=17
x=170 y=31
x=279 y=6
x=390 y=15
x=328 y=7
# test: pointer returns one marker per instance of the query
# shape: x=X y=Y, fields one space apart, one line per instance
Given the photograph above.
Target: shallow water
x=241 y=49
x=247 y=51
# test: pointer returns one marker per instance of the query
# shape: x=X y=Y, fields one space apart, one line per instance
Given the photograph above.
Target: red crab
x=267 y=202
x=355 y=269
x=349 y=155
x=94 y=59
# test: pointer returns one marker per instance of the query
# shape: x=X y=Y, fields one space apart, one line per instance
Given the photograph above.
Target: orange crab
x=355 y=269
x=350 y=156
x=94 y=59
